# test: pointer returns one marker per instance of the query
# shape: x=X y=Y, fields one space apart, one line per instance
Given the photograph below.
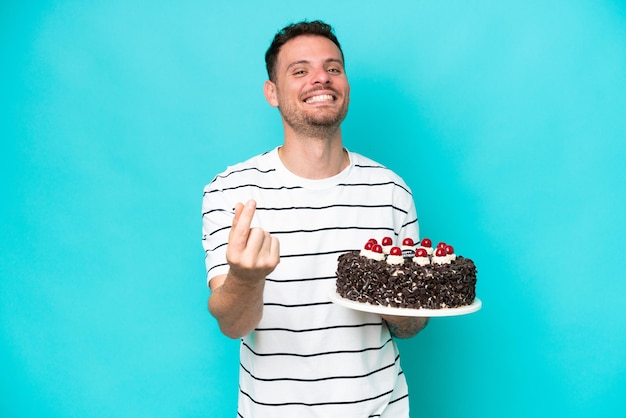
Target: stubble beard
x=313 y=125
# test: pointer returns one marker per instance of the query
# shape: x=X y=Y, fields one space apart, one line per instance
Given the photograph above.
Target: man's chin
x=330 y=120
x=321 y=123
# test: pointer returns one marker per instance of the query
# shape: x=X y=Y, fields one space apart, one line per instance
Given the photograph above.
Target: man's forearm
x=237 y=306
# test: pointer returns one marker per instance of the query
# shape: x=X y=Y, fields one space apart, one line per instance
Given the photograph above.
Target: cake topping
x=367 y=249
x=395 y=256
x=377 y=253
x=408 y=247
x=441 y=256
x=450 y=252
x=421 y=257
x=386 y=243
x=372 y=250
x=427 y=244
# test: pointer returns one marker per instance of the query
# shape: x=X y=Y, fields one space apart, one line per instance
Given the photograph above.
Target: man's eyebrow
x=328 y=60
x=337 y=60
x=293 y=64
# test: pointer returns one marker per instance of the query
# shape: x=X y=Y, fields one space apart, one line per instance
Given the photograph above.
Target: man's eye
x=334 y=70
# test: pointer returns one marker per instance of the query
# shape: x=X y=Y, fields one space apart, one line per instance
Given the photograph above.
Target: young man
x=271 y=261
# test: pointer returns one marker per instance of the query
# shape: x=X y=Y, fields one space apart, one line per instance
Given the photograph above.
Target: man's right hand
x=252 y=253
x=236 y=299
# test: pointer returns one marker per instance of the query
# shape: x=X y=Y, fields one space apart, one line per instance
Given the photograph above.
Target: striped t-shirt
x=309 y=357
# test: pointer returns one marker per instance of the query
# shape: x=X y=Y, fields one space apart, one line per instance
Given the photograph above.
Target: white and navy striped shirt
x=309 y=357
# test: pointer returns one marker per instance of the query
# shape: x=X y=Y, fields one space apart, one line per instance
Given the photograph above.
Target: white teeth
x=321 y=98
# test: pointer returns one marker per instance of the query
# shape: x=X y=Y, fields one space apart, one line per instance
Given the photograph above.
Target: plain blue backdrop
x=506 y=118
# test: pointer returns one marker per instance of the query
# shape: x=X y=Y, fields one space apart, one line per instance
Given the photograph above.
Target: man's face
x=311 y=89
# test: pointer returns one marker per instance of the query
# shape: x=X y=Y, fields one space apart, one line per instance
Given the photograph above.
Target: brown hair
x=316 y=27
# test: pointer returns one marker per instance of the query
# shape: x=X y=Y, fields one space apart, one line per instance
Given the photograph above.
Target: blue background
x=506 y=118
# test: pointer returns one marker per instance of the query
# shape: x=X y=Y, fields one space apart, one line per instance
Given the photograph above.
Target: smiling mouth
x=320 y=98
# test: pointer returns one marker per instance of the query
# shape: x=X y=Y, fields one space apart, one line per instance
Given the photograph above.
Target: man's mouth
x=320 y=98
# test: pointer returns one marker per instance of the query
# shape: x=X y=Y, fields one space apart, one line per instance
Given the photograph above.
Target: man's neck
x=314 y=158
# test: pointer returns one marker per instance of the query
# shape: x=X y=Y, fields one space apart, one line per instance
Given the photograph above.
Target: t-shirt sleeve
x=217 y=218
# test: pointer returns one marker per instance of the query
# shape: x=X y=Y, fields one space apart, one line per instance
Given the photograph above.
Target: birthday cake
x=410 y=275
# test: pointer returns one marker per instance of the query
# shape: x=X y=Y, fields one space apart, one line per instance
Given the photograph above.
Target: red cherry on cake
x=372 y=240
x=387 y=241
x=441 y=245
x=426 y=243
x=377 y=248
x=369 y=245
x=441 y=252
x=408 y=242
x=395 y=251
x=420 y=252
x=449 y=249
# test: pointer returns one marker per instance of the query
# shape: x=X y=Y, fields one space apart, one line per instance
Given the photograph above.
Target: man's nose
x=321 y=76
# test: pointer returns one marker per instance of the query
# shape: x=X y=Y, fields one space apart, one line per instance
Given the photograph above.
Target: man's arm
x=236 y=299
x=405 y=326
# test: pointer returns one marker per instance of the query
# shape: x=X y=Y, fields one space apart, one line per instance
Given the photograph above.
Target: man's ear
x=269 y=88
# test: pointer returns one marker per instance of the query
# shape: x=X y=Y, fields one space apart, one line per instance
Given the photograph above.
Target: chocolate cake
x=407 y=276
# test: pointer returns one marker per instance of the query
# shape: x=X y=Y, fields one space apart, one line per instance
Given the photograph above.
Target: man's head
x=307 y=82
x=316 y=27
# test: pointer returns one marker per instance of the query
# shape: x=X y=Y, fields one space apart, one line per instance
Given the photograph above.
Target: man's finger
x=238 y=209
x=241 y=224
x=275 y=249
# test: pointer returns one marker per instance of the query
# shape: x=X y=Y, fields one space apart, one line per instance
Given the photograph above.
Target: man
x=271 y=262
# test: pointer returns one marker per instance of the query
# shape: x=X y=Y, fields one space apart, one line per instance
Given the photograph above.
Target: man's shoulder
x=369 y=167
x=253 y=166
x=258 y=161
